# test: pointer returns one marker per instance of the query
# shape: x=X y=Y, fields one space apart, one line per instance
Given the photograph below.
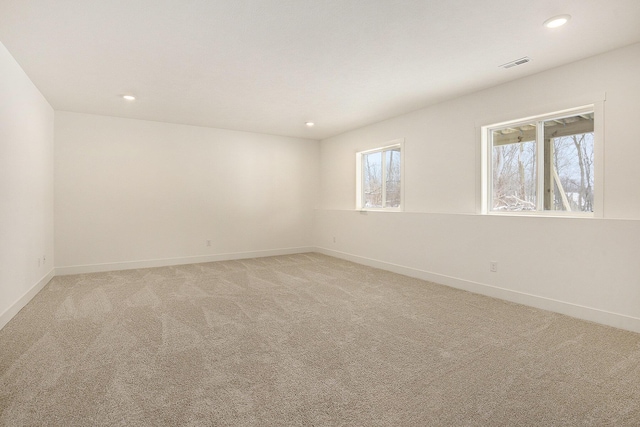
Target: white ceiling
x=271 y=65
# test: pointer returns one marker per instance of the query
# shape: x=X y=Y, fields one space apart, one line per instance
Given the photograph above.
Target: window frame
x=390 y=145
x=486 y=181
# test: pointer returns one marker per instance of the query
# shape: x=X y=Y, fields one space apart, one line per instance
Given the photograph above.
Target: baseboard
x=591 y=314
x=131 y=265
x=10 y=312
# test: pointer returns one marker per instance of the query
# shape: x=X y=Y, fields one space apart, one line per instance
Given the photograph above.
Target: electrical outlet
x=493 y=267
x=44 y=259
x=208 y=242
x=334 y=239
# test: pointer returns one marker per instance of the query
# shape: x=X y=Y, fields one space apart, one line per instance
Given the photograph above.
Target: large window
x=379 y=178
x=541 y=164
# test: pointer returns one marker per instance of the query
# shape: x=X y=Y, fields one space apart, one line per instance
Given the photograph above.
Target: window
x=543 y=164
x=379 y=178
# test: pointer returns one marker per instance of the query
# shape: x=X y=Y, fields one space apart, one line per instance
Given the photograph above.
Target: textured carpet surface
x=304 y=340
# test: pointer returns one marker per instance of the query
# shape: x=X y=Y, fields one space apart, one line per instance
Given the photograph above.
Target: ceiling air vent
x=516 y=62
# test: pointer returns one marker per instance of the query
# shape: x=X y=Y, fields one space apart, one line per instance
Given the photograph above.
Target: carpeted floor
x=304 y=340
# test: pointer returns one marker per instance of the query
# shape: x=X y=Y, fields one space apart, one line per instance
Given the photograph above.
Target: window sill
x=578 y=215
x=367 y=210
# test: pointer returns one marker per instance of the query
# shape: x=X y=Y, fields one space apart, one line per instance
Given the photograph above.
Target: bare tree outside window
x=372 y=170
x=573 y=162
x=380 y=178
x=393 y=178
x=514 y=173
x=565 y=147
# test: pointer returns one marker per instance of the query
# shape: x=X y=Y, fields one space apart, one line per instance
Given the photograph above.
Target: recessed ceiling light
x=557 y=21
x=129 y=97
x=310 y=124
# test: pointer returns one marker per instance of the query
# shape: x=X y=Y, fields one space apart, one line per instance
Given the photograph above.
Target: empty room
x=319 y=213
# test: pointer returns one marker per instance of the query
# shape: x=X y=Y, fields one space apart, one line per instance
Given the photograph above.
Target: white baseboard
x=131 y=265
x=591 y=314
x=24 y=299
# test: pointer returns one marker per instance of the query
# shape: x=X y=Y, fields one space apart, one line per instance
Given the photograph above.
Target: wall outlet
x=334 y=239
x=208 y=242
x=44 y=259
x=493 y=267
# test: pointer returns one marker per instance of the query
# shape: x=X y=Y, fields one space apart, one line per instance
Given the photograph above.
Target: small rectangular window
x=569 y=144
x=379 y=178
x=542 y=164
x=513 y=160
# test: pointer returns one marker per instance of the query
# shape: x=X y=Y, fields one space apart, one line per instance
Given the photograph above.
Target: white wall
x=132 y=193
x=26 y=188
x=584 y=267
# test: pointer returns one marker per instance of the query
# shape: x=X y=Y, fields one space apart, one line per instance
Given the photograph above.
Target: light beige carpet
x=304 y=340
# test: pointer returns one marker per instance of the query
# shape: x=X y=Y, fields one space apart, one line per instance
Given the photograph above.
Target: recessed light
x=310 y=124
x=129 y=97
x=557 y=21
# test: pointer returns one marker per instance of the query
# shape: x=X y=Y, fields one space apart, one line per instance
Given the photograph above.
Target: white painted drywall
x=139 y=193
x=583 y=267
x=26 y=188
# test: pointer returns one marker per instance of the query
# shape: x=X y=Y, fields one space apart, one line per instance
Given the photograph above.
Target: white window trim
x=396 y=143
x=598 y=131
